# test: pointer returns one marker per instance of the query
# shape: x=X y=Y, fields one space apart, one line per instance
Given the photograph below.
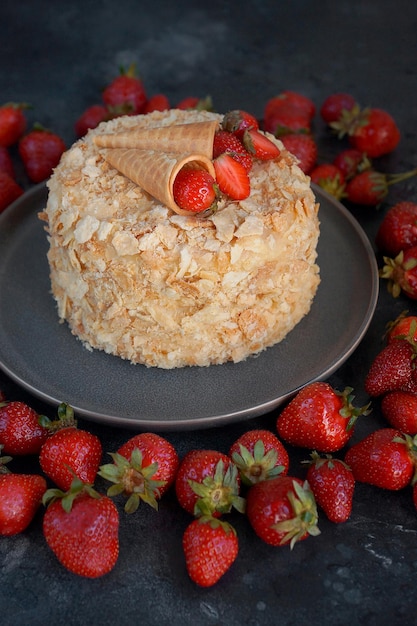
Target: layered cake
x=138 y=278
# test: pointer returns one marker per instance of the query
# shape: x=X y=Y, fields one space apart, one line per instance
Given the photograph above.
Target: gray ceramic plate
x=42 y=355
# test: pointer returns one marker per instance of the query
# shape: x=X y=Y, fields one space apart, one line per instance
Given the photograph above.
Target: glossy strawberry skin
x=71 y=449
x=333 y=484
x=377 y=136
x=237 y=121
x=6 y=163
x=312 y=419
x=126 y=93
x=398 y=229
x=40 y=151
x=399 y=408
x=330 y=178
x=350 y=162
x=332 y=107
x=259 y=469
x=86 y=539
x=210 y=549
x=10 y=190
x=20 y=431
x=20 y=498
x=403 y=326
x=194 y=190
x=227 y=142
x=260 y=146
x=304 y=148
x=380 y=461
x=281 y=117
x=12 y=124
x=368 y=188
x=391 y=369
x=154 y=449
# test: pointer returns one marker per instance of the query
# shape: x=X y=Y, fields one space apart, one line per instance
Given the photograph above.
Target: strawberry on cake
x=138 y=272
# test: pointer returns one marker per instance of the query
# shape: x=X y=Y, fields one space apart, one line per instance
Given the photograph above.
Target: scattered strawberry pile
x=81 y=524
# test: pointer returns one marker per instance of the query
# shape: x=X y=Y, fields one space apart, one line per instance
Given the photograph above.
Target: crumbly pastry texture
x=138 y=281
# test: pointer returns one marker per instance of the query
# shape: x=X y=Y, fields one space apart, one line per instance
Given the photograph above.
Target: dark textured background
x=58 y=56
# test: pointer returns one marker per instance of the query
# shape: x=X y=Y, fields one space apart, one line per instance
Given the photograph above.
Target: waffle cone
x=195 y=138
x=155 y=171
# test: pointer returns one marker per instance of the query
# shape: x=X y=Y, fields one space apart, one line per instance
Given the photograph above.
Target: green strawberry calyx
x=257 y=466
x=348 y=410
x=305 y=517
x=218 y=493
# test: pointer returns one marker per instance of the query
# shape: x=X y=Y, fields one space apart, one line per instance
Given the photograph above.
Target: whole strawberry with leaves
x=208 y=483
x=282 y=510
x=392 y=368
x=370 y=187
x=81 y=527
x=330 y=178
x=259 y=455
x=143 y=469
x=20 y=498
x=210 y=547
x=333 y=484
x=21 y=430
x=319 y=417
x=401 y=273
x=386 y=458
x=69 y=450
x=398 y=229
x=125 y=94
x=40 y=150
x=334 y=106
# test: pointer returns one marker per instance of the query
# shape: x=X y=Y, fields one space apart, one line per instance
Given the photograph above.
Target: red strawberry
x=319 y=418
x=20 y=430
x=40 y=151
x=258 y=455
x=400 y=410
x=333 y=485
x=158 y=102
x=91 y=118
x=282 y=115
x=237 y=121
x=303 y=147
x=398 y=229
x=350 y=162
x=385 y=458
x=391 y=369
x=376 y=133
x=225 y=142
x=12 y=123
x=401 y=273
x=70 y=451
x=405 y=326
x=126 y=93
x=333 y=106
x=300 y=101
x=143 y=468
x=210 y=548
x=9 y=190
x=330 y=178
x=282 y=510
x=194 y=103
x=258 y=144
x=208 y=483
x=82 y=529
x=194 y=190
x=6 y=163
x=232 y=177
x=20 y=498
x=368 y=188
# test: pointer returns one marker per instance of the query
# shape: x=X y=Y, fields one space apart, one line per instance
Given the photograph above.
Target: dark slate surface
x=57 y=57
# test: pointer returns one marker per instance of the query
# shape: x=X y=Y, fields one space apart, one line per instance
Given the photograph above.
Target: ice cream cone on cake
x=195 y=138
x=155 y=171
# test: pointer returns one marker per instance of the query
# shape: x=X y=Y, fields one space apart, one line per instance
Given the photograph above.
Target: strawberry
x=330 y=178
x=282 y=510
x=12 y=123
x=158 y=102
x=6 y=163
x=400 y=410
x=207 y=482
x=333 y=106
x=69 y=451
x=20 y=498
x=402 y=327
x=398 y=229
x=333 y=485
x=258 y=144
x=385 y=458
x=300 y=101
x=21 y=432
x=232 y=177
x=319 y=417
x=259 y=455
x=82 y=529
x=288 y=113
x=194 y=190
x=371 y=131
x=125 y=95
x=90 y=118
x=237 y=121
x=210 y=548
x=143 y=468
x=9 y=190
x=304 y=148
x=391 y=369
x=40 y=151
x=194 y=103
x=401 y=273
x=368 y=188
x=350 y=162
x=225 y=142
